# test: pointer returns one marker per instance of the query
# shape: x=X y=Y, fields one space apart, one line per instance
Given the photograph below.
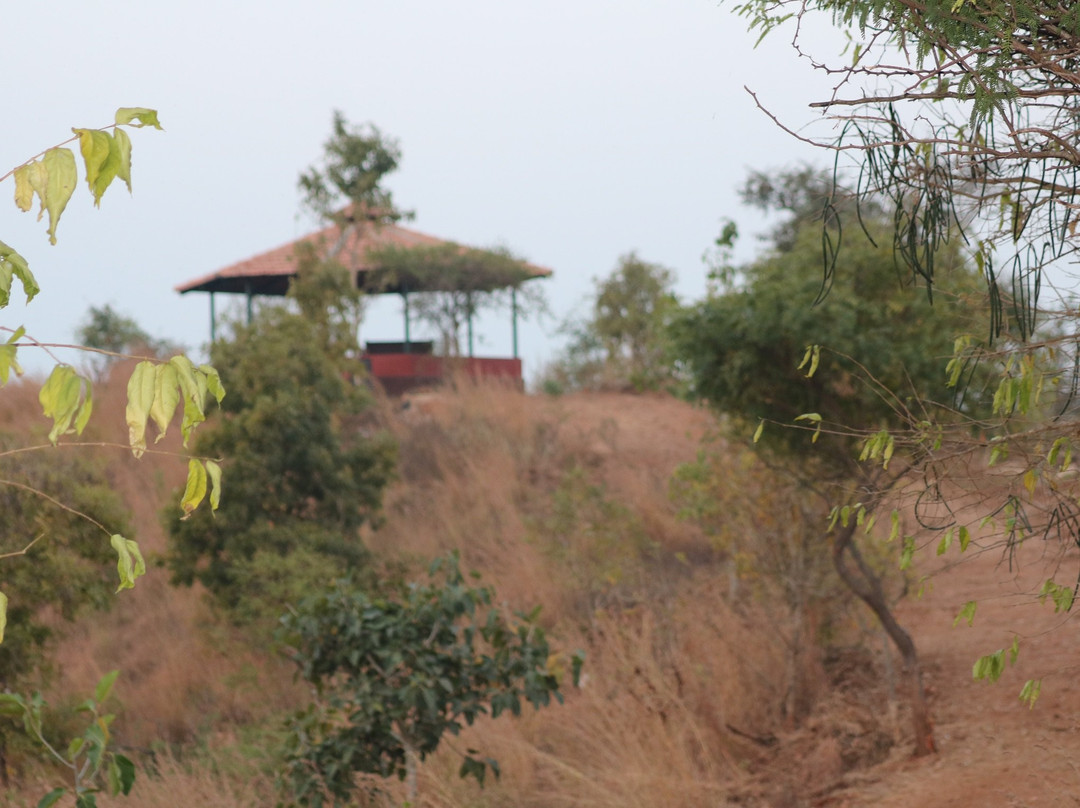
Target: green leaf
x=14 y=265
x=62 y=176
x=101 y=159
x=82 y=415
x=813 y=417
x=60 y=400
x=166 y=397
x=213 y=382
x=965 y=538
x=213 y=470
x=894 y=532
x=127 y=773
x=123 y=153
x=1029 y=693
x=51 y=798
x=130 y=563
x=966 y=613
x=105 y=686
x=989 y=667
x=195 y=490
x=141 y=389
x=12 y=705
x=908 y=553
x=193 y=387
x=3 y=615
x=75 y=747
x=760 y=429
x=946 y=541
x=137 y=117
x=813 y=357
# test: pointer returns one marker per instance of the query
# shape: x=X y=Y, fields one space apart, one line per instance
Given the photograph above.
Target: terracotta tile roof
x=269 y=273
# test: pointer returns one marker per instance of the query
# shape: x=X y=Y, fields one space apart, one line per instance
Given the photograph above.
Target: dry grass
x=675 y=680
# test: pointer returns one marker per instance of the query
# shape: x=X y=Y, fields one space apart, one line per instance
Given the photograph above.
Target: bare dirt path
x=993 y=750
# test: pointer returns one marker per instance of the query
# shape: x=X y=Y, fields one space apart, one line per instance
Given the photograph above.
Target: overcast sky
x=570 y=131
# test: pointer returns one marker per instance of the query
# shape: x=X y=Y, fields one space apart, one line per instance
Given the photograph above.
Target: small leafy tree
x=962 y=114
x=304 y=476
x=874 y=356
x=115 y=335
x=394 y=676
x=624 y=341
x=87 y=758
x=347 y=188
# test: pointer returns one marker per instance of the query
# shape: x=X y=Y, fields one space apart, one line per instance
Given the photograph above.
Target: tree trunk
x=867 y=587
x=410 y=775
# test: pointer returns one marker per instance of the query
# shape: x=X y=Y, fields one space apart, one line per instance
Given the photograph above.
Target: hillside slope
x=565 y=502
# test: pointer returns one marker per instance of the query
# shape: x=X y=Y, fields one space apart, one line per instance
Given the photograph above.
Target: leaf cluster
x=66 y=553
x=393 y=676
x=882 y=344
x=87 y=757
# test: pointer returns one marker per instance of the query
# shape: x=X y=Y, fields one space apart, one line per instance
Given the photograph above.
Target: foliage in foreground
x=962 y=114
x=394 y=676
x=86 y=759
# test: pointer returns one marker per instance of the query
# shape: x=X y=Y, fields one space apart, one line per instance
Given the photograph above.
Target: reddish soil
x=993 y=749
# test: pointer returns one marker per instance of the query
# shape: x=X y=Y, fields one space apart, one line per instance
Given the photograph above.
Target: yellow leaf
x=140 y=399
x=101 y=157
x=214 y=471
x=123 y=151
x=166 y=397
x=137 y=117
x=195 y=490
x=60 y=185
x=3 y=615
x=130 y=563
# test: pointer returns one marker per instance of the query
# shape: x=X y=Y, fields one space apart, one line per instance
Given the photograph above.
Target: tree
x=623 y=342
x=873 y=357
x=962 y=114
x=154 y=391
x=115 y=335
x=348 y=187
x=452 y=284
x=304 y=476
x=62 y=501
x=393 y=676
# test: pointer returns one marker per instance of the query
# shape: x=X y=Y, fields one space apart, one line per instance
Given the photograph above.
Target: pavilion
x=363 y=251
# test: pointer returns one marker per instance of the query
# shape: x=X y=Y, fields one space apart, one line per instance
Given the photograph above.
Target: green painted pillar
x=514 y=318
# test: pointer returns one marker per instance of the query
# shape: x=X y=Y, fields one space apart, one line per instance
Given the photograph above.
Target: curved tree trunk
x=866 y=585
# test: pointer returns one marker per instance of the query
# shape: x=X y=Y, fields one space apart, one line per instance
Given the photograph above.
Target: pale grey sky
x=570 y=131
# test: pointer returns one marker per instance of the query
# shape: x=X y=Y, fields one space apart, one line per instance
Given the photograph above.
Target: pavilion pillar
x=514 y=318
x=408 y=339
x=248 y=295
x=470 y=330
